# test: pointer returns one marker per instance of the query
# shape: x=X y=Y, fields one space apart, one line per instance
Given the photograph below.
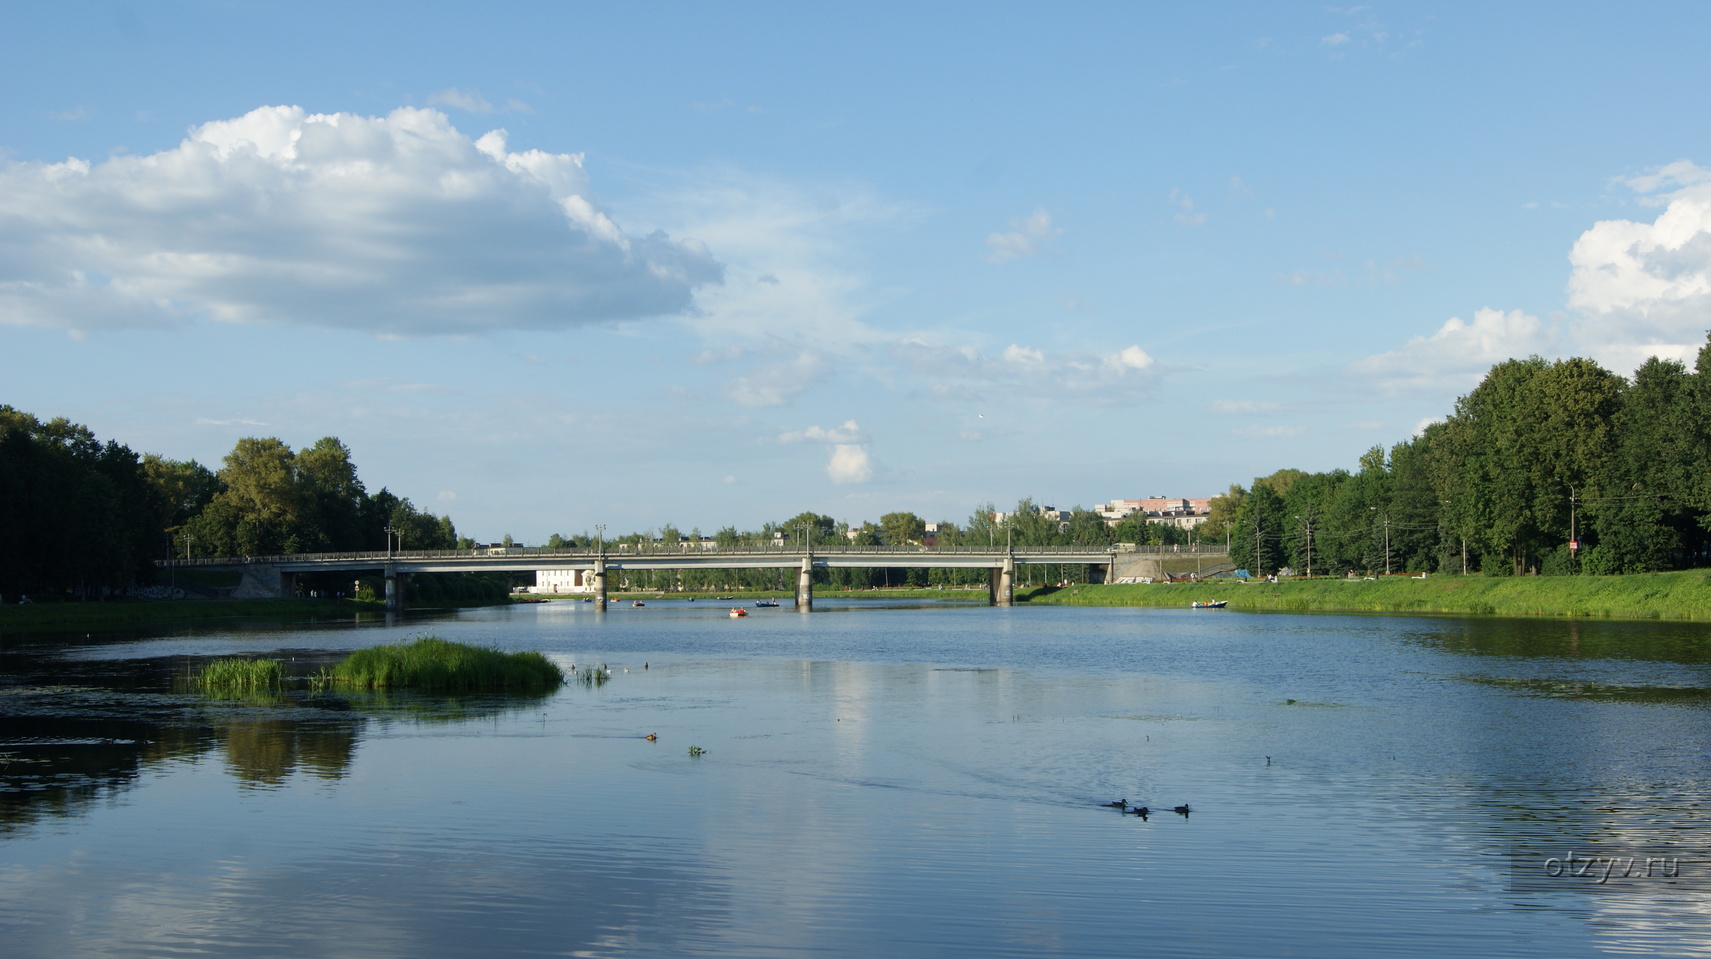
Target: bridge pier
x=1001 y=589
x=394 y=589
x=805 y=584
x=600 y=584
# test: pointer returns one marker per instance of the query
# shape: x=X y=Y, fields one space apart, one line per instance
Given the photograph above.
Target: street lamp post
x=1386 y=515
x=390 y=532
x=1308 y=522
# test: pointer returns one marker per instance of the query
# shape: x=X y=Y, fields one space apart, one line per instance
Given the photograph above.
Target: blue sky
x=551 y=265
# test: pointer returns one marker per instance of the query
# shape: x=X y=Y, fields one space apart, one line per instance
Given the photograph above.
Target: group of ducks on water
x=1142 y=811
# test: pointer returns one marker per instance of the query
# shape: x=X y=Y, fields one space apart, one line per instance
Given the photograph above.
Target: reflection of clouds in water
x=952 y=808
x=571 y=897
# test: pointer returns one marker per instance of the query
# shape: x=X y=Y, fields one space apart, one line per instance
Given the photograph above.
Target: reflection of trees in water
x=64 y=749
x=265 y=751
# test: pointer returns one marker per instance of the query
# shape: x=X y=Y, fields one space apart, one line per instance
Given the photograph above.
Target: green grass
x=1673 y=596
x=237 y=675
x=431 y=664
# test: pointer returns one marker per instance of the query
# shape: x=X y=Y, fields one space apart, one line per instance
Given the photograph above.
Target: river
x=898 y=779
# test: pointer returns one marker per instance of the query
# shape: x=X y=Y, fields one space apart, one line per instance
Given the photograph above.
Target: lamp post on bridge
x=390 y=532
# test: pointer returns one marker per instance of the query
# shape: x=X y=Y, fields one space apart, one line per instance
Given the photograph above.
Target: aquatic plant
x=432 y=664
x=239 y=675
x=593 y=676
x=696 y=751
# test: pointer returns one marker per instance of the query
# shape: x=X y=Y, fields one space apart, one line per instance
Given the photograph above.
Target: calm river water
x=897 y=780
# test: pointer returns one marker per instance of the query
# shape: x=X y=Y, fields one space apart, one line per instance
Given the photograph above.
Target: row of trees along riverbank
x=84 y=518
x=1540 y=455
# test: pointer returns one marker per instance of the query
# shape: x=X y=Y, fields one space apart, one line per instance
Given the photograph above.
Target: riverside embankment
x=1677 y=596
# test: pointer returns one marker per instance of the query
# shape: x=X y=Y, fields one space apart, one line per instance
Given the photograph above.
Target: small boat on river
x=737 y=612
x=767 y=603
x=637 y=602
x=1215 y=604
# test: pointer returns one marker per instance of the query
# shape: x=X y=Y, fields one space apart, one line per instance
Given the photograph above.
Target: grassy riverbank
x=1681 y=596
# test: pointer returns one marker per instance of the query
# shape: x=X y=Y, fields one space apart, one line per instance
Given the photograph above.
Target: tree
x=1257 y=530
x=902 y=529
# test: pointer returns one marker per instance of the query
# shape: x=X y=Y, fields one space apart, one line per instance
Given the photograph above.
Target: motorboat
x=767 y=603
x=1215 y=604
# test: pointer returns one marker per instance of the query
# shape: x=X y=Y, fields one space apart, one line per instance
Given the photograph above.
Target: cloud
x=1025 y=240
x=1187 y=216
x=1460 y=352
x=789 y=250
x=1089 y=376
x=396 y=225
x=850 y=464
x=846 y=434
x=779 y=383
x=1335 y=40
x=1641 y=288
x=205 y=421
x=467 y=100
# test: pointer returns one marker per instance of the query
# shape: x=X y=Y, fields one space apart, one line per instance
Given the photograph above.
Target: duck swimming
x=1119 y=804
x=1181 y=810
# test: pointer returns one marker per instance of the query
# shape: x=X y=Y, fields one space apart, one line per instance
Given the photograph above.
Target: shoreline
x=1677 y=596
x=1674 y=597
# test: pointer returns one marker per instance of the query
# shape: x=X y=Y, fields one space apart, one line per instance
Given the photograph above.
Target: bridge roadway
x=275 y=575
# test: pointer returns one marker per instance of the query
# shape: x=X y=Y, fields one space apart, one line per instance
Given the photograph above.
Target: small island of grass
x=432 y=664
x=239 y=675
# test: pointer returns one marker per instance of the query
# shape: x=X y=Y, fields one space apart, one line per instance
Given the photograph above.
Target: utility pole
x=1307 y=521
x=1573 y=540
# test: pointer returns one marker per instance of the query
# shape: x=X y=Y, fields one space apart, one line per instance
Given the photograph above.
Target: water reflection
x=897 y=782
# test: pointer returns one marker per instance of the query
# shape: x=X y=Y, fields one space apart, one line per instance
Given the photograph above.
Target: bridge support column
x=1002 y=591
x=600 y=584
x=394 y=590
x=805 y=584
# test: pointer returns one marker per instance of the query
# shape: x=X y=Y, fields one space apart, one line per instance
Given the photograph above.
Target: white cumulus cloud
x=850 y=461
x=850 y=464
x=1460 y=353
x=1641 y=288
x=395 y=225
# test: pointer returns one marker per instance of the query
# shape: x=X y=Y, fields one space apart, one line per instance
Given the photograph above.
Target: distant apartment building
x=1171 y=511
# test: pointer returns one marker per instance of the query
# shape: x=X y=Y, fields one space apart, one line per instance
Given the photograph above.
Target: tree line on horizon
x=86 y=518
x=1539 y=455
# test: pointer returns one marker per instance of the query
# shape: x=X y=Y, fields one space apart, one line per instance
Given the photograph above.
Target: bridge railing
x=688 y=549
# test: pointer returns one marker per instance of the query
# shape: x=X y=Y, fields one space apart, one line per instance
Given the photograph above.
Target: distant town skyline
x=543 y=267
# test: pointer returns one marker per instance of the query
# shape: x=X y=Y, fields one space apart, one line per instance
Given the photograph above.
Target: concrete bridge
x=275 y=576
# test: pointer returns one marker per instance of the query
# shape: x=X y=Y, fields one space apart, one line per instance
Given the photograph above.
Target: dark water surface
x=876 y=781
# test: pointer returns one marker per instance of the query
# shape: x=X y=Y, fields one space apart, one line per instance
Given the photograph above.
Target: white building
x=563 y=581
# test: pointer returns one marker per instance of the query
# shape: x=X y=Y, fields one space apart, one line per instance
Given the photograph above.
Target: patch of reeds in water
x=432 y=664
x=238 y=675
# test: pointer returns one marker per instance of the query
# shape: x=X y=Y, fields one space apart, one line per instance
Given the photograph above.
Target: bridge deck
x=521 y=559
